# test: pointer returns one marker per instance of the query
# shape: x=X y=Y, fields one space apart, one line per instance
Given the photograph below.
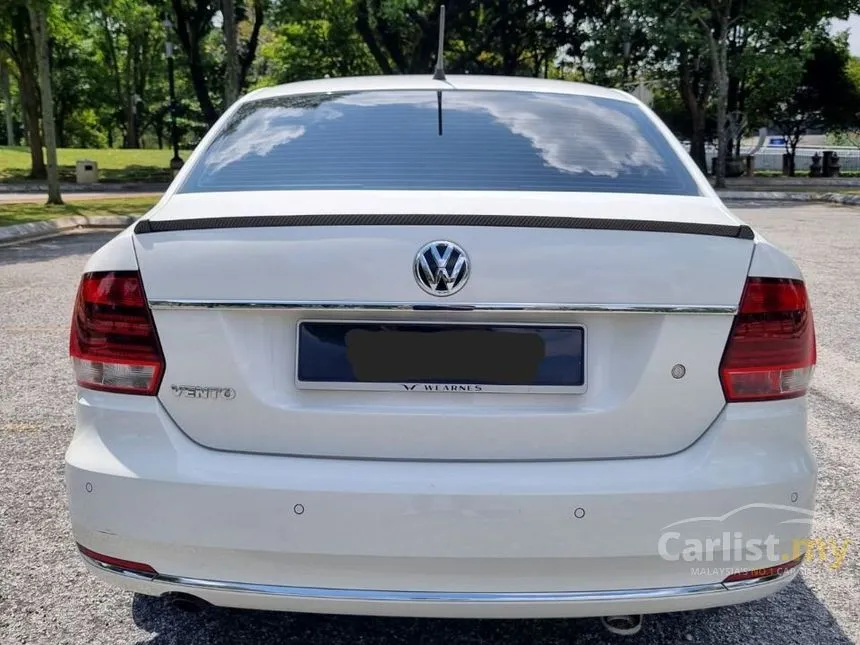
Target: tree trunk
x=792 y=155
x=246 y=60
x=191 y=33
x=131 y=135
x=231 y=57
x=697 y=141
x=362 y=25
x=39 y=25
x=198 y=82
x=695 y=98
x=722 y=138
x=60 y=127
x=7 y=103
x=131 y=122
x=30 y=113
x=158 y=127
x=509 y=47
x=721 y=68
x=28 y=91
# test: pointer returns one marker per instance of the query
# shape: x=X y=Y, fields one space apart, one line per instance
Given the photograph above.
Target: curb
x=59 y=225
x=130 y=187
x=774 y=196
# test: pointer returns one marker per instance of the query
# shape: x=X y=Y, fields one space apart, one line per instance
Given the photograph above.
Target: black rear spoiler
x=741 y=231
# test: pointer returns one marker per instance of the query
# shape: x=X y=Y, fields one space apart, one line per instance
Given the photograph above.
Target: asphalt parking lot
x=46 y=597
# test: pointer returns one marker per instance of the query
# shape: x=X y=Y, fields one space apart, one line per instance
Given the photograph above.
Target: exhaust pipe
x=186 y=602
x=624 y=625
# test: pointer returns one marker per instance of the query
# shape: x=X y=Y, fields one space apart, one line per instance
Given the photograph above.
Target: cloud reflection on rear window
x=386 y=140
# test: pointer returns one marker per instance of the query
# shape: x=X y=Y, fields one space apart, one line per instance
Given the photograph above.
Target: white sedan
x=474 y=347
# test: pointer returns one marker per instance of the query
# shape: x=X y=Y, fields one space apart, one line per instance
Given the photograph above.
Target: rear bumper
x=570 y=604
x=435 y=539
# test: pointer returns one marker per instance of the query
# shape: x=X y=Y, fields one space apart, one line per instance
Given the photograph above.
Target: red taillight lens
x=771 y=350
x=126 y=565
x=767 y=572
x=113 y=343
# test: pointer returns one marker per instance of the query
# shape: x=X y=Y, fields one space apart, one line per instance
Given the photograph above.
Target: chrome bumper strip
x=443 y=307
x=190 y=585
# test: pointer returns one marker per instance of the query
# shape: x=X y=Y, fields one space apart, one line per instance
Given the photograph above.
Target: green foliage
x=104 y=52
x=823 y=97
x=196 y=27
x=82 y=129
x=779 y=74
x=314 y=39
x=129 y=42
x=485 y=36
x=852 y=69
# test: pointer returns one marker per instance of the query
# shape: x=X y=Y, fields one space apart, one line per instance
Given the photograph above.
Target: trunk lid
x=267 y=279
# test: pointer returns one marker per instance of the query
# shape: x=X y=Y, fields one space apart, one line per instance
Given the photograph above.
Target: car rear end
x=442 y=349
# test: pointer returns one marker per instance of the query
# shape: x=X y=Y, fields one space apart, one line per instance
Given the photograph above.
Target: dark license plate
x=441 y=356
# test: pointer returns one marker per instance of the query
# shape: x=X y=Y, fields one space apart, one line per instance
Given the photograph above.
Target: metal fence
x=771 y=158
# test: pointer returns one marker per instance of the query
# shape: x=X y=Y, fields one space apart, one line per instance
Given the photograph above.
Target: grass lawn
x=115 y=164
x=20 y=213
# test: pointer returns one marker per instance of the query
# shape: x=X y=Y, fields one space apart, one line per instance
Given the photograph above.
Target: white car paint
x=467 y=505
x=160 y=498
x=621 y=415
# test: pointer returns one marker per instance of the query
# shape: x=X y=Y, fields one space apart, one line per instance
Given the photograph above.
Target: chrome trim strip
x=374 y=595
x=186 y=303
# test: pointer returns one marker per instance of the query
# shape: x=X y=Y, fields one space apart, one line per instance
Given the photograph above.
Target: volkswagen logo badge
x=441 y=268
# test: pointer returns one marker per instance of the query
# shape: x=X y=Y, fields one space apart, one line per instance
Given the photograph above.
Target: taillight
x=113 y=343
x=771 y=350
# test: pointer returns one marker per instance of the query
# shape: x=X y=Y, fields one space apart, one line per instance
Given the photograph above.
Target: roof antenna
x=439 y=73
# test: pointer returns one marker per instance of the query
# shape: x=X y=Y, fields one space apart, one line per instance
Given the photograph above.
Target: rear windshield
x=449 y=140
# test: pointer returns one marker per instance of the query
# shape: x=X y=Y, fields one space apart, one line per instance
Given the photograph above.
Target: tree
x=853 y=70
x=701 y=58
x=6 y=95
x=81 y=82
x=131 y=44
x=39 y=25
x=619 y=46
x=522 y=36
x=770 y=83
x=673 y=49
x=694 y=72
x=17 y=41
x=715 y=17
x=766 y=41
x=850 y=134
x=312 y=39
x=400 y=34
x=231 y=54
x=714 y=49
x=818 y=95
x=193 y=24
x=486 y=36
x=695 y=87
